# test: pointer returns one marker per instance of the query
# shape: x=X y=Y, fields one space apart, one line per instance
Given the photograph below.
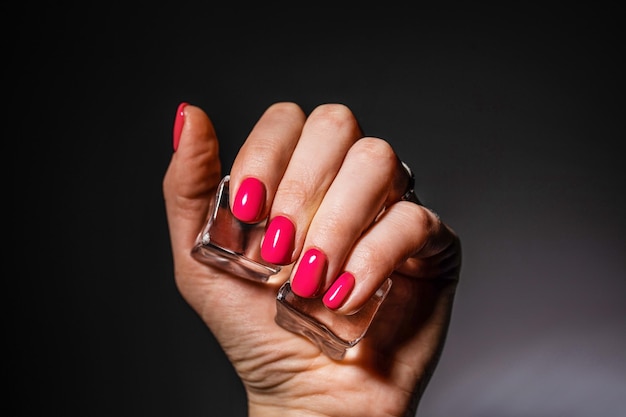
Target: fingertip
x=179 y=122
x=191 y=122
x=194 y=169
x=249 y=201
x=339 y=291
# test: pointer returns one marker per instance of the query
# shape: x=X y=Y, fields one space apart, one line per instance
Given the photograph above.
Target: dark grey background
x=512 y=118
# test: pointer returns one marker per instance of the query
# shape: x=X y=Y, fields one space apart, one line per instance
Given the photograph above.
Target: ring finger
x=370 y=177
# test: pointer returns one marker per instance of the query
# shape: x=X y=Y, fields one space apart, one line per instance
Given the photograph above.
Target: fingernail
x=339 y=291
x=279 y=241
x=311 y=270
x=179 y=121
x=249 y=200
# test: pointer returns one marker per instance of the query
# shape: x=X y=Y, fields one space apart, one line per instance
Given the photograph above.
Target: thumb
x=191 y=178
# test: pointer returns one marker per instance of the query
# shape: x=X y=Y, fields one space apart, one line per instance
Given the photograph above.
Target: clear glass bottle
x=333 y=333
x=231 y=245
x=235 y=247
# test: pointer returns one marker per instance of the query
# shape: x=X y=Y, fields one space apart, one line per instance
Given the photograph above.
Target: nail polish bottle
x=235 y=247
x=231 y=245
x=333 y=333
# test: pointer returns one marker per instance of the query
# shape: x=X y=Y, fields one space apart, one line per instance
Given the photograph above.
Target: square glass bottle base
x=231 y=245
x=233 y=263
x=333 y=333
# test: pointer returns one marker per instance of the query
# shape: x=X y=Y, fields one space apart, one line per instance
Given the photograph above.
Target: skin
x=333 y=183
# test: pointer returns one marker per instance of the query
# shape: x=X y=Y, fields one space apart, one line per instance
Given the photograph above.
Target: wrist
x=258 y=410
x=324 y=405
x=284 y=407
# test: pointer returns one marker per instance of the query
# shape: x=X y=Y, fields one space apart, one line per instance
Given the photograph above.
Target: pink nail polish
x=179 y=121
x=249 y=200
x=228 y=244
x=331 y=332
x=278 y=243
x=339 y=291
x=231 y=245
x=310 y=273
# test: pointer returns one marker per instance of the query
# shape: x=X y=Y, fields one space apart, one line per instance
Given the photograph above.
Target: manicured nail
x=279 y=241
x=249 y=200
x=339 y=291
x=310 y=273
x=179 y=121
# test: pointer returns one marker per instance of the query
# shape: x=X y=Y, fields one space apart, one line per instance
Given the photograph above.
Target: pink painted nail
x=339 y=291
x=310 y=273
x=249 y=200
x=279 y=241
x=179 y=121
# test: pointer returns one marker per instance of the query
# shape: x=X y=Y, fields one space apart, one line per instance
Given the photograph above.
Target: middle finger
x=368 y=177
x=327 y=135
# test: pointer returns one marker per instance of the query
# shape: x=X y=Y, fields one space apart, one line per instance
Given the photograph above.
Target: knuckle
x=428 y=226
x=333 y=118
x=336 y=227
x=423 y=219
x=294 y=189
x=370 y=150
x=381 y=251
x=284 y=108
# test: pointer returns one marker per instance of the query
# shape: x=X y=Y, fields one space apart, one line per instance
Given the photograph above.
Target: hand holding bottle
x=339 y=228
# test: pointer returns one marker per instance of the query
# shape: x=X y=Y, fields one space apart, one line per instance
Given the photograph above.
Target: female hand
x=341 y=194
